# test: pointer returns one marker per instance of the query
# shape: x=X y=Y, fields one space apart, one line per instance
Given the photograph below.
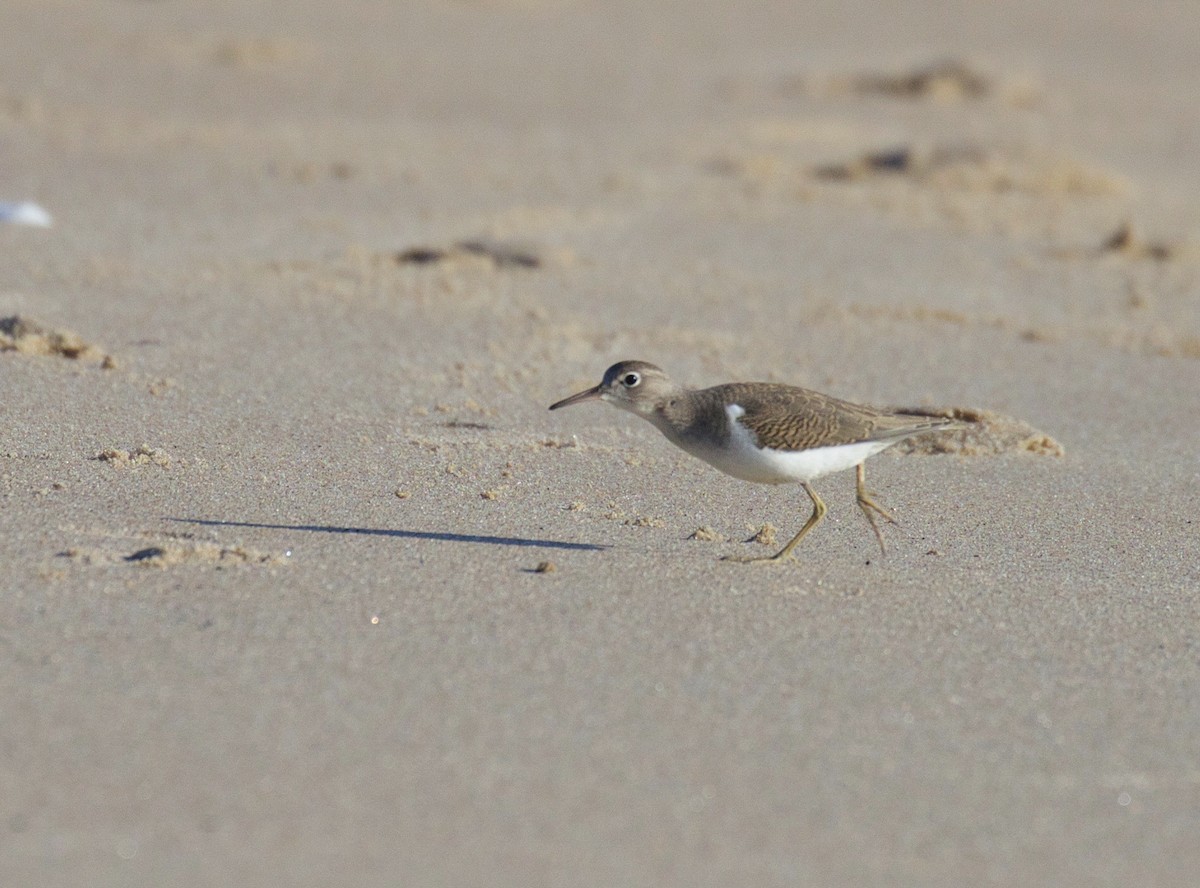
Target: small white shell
x=25 y=212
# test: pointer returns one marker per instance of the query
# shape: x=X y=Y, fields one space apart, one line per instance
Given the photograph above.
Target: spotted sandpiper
x=764 y=432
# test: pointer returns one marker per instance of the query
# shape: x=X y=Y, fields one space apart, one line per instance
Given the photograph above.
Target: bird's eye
x=629 y=380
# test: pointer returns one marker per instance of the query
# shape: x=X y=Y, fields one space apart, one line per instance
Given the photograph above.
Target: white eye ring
x=629 y=380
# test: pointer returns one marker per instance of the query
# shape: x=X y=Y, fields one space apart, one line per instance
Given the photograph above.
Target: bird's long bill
x=592 y=394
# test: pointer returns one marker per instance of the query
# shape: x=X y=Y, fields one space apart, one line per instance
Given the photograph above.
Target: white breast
x=743 y=458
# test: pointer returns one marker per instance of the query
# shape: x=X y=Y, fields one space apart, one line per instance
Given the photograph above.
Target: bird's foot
x=778 y=558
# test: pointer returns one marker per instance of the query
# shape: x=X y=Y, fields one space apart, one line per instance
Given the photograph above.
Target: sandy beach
x=301 y=584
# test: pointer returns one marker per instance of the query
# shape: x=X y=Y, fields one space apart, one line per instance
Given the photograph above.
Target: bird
x=765 y=432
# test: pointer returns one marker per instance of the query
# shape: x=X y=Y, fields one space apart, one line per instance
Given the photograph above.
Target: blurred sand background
x=270 y=518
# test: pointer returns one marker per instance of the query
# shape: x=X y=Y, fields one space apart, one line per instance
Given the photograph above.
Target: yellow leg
x=869 y=505
x=785 y=553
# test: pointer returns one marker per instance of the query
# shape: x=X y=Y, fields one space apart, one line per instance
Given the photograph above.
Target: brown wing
x=788 y=418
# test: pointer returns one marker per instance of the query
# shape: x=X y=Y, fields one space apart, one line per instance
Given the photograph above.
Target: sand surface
x=301 y=584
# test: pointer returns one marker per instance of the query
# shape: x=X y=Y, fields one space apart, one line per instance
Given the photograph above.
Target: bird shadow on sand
x=444 y=537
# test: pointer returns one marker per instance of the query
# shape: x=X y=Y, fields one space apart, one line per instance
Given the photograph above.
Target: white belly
x=744 y=459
